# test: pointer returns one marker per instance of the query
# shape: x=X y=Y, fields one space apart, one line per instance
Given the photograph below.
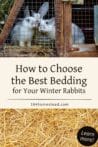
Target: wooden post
x=59 y=27
x=10 y=21
x=67 y=27
x=63 y=13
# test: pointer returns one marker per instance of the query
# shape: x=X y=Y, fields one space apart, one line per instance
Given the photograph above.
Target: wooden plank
x=83 y=54
x=67 y=27
x=63 y=12
x=89 y=51
x=10 y=21
x=59 y=27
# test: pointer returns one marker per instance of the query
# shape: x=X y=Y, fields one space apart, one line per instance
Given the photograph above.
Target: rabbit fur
x=48 y=26
x=23 y=31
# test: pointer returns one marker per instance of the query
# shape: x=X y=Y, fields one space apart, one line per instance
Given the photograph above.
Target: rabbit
x=77 y=35
x=48 y=26
x=38 y=16
x=23 y=31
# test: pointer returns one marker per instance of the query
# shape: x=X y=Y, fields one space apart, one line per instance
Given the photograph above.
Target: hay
x=46 y=51
x=34 y=51
x=44 y=128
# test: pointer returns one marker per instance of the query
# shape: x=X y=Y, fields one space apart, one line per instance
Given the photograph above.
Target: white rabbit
x=77 y=35
x=23 y=31
x=48 y=26
x=38 y=16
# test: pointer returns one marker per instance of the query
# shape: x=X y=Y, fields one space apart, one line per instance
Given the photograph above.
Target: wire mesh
x=38 y=38
x=82 y=16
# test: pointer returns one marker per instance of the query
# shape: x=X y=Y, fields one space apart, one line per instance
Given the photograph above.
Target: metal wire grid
x=38 y=39
x=82 y=15
x=42 y=39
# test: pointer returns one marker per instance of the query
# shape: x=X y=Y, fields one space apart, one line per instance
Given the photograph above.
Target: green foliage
x=5 y=7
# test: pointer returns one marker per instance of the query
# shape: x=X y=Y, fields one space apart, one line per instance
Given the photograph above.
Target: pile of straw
x=34 y=51
x=44 y=128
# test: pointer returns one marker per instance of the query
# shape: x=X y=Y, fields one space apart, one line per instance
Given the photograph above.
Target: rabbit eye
x=28 y=20
x=47 y=22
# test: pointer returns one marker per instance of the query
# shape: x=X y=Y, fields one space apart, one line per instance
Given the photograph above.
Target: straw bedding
x=44 y=127
x=34 y=51
x=46 y=51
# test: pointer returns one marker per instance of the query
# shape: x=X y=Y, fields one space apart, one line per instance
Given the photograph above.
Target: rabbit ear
x=32 y=12
x=26 y=12
x=44 y=9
